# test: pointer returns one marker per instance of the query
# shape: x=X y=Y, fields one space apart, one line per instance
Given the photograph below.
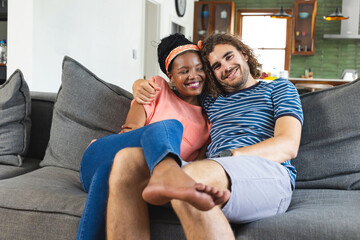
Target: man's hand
x=144 y=91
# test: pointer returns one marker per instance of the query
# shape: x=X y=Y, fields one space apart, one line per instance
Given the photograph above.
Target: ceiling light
x=281 y=14
x=335 y=16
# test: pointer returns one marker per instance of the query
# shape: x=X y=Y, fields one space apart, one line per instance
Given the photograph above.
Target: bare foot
x=219 y=197
x=169 y=182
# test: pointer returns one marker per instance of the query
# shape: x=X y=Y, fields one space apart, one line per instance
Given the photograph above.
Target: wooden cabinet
x=213 y=17
x=304 y=27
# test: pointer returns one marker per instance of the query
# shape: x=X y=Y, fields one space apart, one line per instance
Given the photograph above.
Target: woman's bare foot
x=169 y=181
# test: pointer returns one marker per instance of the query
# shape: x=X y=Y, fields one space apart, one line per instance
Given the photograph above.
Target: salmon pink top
x=167 y=105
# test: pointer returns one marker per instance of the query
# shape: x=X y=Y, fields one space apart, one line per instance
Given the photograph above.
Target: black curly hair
x=167 y=44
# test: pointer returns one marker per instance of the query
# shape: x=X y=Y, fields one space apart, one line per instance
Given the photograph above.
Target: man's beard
x=238 y=84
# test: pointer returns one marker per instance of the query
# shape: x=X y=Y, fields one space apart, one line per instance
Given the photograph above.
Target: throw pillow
x=15 y=123
x=86 y=107
x=329 y=154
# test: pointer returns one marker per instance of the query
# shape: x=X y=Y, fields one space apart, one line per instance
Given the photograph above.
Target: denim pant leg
x=93 y=220
x=104 y=150
x=157 y=139
x=160 y=139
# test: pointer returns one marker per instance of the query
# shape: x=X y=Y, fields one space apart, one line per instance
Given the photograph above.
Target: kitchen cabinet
x=304 y=27
x=3 y=10
x=213 y=17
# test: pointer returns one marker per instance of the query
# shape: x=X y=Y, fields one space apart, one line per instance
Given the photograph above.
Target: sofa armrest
x=42 y=104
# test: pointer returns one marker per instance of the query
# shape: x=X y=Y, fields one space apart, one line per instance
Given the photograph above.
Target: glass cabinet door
x=213 y=17
x=222 y=18
x=304 y=28
x=202 y=27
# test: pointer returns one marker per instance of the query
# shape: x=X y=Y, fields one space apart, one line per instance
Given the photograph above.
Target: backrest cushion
x=15 y=123
x=329 y=154
x=86 y=108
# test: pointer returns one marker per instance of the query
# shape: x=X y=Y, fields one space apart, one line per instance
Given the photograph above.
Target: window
x=268 y=37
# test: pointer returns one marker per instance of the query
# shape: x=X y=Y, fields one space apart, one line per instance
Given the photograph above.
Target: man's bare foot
x=219 y=197
x=169 y=181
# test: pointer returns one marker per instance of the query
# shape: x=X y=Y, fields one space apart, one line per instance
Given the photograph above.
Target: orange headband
x=176 y=51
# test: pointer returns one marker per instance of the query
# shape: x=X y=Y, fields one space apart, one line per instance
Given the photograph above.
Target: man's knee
x=208 y=172
x=128 y=167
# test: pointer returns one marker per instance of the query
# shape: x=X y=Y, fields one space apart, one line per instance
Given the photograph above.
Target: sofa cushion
x=9 y=171
x=86 y=108
x=29 y=225
x=48 y=189
x=329 y=154
x=43 y=204
x=15 y=120
x=313 y=214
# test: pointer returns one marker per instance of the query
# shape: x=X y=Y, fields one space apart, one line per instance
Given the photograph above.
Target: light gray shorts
x=260 y=188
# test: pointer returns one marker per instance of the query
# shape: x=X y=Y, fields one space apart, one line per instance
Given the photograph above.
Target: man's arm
x=280 y=148
x=144 y=91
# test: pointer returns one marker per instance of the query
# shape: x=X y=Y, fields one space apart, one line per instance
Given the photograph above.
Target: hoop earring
x=172 y=86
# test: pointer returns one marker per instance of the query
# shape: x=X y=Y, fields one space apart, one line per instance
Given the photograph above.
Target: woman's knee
x=92 y=154
x=165 y=128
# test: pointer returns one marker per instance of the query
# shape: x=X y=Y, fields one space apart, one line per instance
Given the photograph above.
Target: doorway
x=152 y=16
x=3 y=39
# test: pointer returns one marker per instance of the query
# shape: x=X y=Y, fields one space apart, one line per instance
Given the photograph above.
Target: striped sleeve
x=286 y=100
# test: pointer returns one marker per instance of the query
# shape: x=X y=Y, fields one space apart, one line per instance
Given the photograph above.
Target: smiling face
x=188 y=76
x=230 y=68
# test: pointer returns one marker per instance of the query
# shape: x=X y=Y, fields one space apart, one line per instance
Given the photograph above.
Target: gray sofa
x=43 y=198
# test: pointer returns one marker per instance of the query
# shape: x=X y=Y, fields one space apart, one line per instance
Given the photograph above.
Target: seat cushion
x=15 y=123
x=329 y=154
x=313 y=214
x=43 y=204
x=48 y=189
x=30 y=225
x=86 y=108
x=8 y=171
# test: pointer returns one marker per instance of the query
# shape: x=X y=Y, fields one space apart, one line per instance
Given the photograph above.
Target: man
x=256 y=129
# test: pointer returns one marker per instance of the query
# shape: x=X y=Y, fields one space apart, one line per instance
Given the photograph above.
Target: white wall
x=101 y=35
x=19 y=39
x=168 y=15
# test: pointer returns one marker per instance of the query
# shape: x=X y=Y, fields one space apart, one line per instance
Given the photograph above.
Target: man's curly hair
x=213 y=86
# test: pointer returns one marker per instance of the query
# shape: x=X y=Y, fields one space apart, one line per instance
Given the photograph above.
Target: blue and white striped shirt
x=248 y=116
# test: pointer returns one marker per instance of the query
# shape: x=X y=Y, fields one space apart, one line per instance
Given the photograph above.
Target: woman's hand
x=129 y=127
x=91 y=142
x=144 y=91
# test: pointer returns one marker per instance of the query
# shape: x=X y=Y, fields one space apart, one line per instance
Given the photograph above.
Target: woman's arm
x=280 y=148
x=136 y=118
x=144 y=91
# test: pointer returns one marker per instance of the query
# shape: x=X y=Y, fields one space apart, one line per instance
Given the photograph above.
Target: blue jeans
x=157 y=141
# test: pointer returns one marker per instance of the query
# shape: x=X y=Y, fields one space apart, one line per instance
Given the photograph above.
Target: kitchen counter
x=333 y=82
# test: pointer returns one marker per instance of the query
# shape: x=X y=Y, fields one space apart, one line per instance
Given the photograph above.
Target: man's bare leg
x=127 y=213
x=169 y=181
x=211 y=224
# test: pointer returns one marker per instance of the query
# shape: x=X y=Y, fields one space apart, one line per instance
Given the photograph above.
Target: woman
x=144 y=128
